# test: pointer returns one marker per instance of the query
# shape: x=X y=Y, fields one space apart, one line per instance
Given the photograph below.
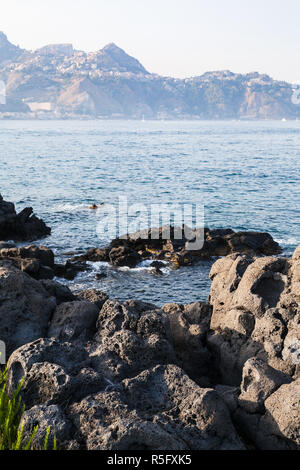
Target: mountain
x=58 y=81
x=7 y=50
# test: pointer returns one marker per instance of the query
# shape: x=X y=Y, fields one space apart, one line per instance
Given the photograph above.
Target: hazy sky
x=177 y=38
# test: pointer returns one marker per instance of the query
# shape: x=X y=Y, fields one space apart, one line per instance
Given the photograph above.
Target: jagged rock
x=173 y=244
x=255 y=314
x=20 y=227
x=70 y=269
x=159 y=409
x=279 y=428
x=96 y=297
x=135 y=376
x=45 y=417
x=276 y=426
x=74 y=321
x=130 y=338
x=123 y=256
x=25 y=308
x=59 y=291
x=258 y=383
x=37 y=261
x=189 y=326
x=229 y=395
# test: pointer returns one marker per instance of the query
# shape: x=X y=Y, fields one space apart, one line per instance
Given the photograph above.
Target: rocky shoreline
x=107 y=375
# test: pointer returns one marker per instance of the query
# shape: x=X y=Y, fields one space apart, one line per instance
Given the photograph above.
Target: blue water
x=245 y=173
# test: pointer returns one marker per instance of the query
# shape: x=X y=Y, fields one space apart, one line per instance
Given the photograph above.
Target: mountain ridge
x=58 y=81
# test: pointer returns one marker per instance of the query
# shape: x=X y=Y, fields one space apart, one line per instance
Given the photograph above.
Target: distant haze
x=170 y=37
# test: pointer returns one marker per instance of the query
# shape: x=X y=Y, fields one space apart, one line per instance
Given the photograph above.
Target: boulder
x=25 y=308
x=279 y=428
x=24 y=226
x=44 y=417
x=258 y=383
x=59 y=291
x=37 y=261
x=275 y=425
x=130 y=337
x=159 y=409
x=255 y=314
x=74 y=322
x=94 y=296
x=175 y=245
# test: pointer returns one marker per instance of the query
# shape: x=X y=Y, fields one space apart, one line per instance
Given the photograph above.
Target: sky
x=170 y=37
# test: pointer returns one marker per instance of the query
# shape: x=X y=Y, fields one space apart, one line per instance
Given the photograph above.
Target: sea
x=244 y=174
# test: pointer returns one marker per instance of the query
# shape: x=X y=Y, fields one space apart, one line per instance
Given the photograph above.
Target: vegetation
x=11 y=427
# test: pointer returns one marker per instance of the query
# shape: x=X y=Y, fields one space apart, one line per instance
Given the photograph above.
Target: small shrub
x=11 y=427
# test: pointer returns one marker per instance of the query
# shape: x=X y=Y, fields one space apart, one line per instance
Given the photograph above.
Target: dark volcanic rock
x=37 y=261
x=20 y=227
x=174 y=244
x=134 y=376
x=74 y=321
x=25 y=308
x=157 y=410
x=96 y=297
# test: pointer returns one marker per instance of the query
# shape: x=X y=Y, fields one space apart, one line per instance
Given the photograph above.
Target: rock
x=189 y=326
x=48 y=367
x=258 y=383
x=44 y=417
x=94 y=254
x=70 y=269
x=229 y=395
x=174 y=244
x=94 y=296
x=25 y=308
x=279 y=428
x=123 y=256
x=59 y=291
x=255 y=314
x=20 y=227
x=130 y=338
x=37 y=261
x=159 y=409
x=74 y=321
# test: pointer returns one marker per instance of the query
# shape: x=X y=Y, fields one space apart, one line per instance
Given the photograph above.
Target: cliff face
x=58 y=81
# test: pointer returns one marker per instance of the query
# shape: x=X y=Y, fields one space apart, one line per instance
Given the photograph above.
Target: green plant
x=11 y=427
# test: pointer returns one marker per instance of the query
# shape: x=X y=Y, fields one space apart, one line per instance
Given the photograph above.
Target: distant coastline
x=59 y=82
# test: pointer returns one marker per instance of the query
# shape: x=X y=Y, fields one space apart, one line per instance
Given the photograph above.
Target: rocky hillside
x=58 y=81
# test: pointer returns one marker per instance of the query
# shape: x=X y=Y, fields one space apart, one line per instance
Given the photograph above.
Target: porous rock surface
x=110 y=375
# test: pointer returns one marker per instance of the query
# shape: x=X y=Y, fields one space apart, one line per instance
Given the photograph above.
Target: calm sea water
x=245 y=173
